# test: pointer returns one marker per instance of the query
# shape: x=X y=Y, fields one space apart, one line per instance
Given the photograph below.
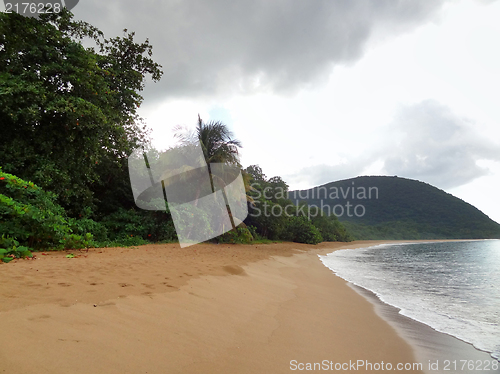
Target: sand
x=203 y=309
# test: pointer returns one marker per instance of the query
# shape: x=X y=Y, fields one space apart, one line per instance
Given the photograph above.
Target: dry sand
x=202 y=309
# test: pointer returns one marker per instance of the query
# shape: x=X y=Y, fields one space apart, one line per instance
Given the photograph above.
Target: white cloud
x=434 y=145
x=425 y=141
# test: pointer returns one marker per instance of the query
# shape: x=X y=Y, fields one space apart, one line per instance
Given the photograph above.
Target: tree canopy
x=68 y=112
x=69 y=121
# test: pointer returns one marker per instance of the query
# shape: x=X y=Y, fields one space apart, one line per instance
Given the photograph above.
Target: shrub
x=331 y=229
x=124 y=224
x=254 y=233
x=30 y=215
x=240 y=235
x=85 y=225
x=301 y=230
x=78 y=241
x=10 y=249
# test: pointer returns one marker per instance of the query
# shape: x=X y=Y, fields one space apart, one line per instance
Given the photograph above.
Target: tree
x=216 y=141
x=269 y=208
x=218 y=146
x=69 y=113
x=330 y=228
x=256 y=173
x=275 y=216
x=301 y=230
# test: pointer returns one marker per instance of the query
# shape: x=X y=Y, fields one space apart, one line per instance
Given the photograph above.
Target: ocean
x=453 y=287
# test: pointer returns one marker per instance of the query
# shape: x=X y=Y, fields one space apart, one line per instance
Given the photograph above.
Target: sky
x=324 y=90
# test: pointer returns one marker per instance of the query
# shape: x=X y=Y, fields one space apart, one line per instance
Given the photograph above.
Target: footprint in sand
x=33 y=284
x=109 y=303
x=43 y=316
x=234 y=270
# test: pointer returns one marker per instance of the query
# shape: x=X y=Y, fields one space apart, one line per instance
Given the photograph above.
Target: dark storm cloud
x=207 y=47
x=426 y=142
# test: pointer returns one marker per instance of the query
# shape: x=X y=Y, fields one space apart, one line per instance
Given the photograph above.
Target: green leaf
x=26 y=254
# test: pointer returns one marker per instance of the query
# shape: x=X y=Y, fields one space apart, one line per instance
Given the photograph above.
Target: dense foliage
x=30 y=216
x=69 y=113
x=275 y=217
x=399 y=208
x=69 y=121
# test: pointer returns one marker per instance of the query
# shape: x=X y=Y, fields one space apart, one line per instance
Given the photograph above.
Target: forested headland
x=382 y=207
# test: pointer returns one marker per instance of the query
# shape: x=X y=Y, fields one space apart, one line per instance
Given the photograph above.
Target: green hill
x=380 y=207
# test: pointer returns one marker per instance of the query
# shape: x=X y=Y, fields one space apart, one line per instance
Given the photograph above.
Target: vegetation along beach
x=225 y=238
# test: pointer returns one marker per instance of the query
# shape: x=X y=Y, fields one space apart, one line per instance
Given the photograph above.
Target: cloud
x=218 y=46
x=434 y=145
x=426 y=141
x=317 y=175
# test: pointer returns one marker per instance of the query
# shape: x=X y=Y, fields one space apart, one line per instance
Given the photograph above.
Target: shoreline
x=208 y=308
x=430 y=345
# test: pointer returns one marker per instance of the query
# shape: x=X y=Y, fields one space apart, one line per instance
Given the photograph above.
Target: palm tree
x=218 y=146
x=217 y=143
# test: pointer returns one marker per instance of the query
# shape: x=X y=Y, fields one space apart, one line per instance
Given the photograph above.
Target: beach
x=208 y=308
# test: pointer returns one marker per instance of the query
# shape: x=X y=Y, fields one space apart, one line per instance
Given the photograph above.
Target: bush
x=78 y=241
x=331 y=229
x=301 y=230
x=254 y=233
x=124 y=223
x=240 y=235
x=85 y=225
x=147 y=225
x=30 y=215
x=10 y=249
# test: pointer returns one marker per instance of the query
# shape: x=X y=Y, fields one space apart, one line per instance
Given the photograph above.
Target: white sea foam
x=454 y=287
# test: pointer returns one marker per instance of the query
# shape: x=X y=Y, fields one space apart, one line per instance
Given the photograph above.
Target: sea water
x=454 y=287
